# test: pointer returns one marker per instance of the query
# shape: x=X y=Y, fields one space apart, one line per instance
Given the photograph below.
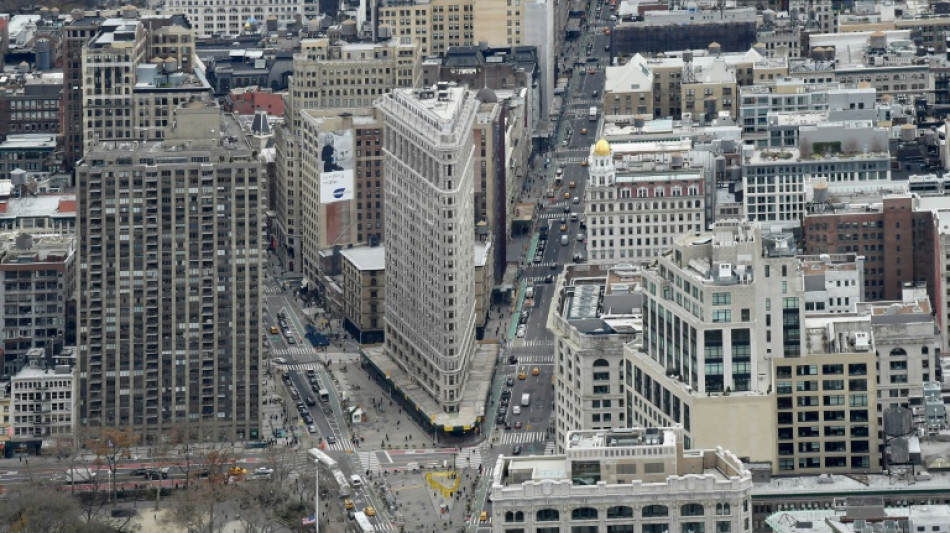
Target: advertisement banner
x=336 y=176
x=336 y=186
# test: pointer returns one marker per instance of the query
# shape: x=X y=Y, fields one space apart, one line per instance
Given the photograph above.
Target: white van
x=576 y=200
x=356 y=480
x=564 y=240
x=529 y=292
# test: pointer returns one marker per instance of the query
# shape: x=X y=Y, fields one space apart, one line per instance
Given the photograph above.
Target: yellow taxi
x=274 y=330
x=572 y=185
x=535 y=371
x=522 y=375
x=567 y=196
x=584 y=163
x=583 y=131
x=369 y=510
x=563 y=227
x=348 y=503
x=483 y=517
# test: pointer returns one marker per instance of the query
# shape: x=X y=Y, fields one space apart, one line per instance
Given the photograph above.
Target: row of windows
x=619 y=511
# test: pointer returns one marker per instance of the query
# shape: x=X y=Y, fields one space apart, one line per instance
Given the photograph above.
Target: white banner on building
x=336 y=157
x=336 y=186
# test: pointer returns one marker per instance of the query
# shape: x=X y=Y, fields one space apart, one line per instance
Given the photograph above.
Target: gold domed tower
x=600 y=167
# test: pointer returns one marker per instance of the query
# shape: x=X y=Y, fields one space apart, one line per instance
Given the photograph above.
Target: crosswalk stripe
x=296 y=350
x=535 y=359
x=522 y=437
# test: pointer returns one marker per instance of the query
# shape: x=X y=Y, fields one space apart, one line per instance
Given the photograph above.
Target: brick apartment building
x=895 y=237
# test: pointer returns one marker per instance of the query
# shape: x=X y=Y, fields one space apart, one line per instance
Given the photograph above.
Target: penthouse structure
x=429 y=234
x=623 y=480
x=168 y=311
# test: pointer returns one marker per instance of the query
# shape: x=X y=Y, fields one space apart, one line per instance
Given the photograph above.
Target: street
x=559 y=238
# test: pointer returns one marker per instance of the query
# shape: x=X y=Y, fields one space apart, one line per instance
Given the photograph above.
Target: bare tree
x=200 y=507
x=111 y=445
x=35 y=509
x=184 y=436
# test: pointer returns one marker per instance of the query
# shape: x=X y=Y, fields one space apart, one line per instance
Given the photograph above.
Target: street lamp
x=316 y=491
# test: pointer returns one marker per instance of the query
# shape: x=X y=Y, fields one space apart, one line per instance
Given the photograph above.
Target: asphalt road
x=535 y=348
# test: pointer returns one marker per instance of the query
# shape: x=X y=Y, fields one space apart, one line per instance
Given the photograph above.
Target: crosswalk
x=370 y=461
x=271 y=290
x=546 y=359
x=522 y=437
x=294 y=350
x=572 y=159
x=341 y=445
x=302 y=366
x=384 y=526
x=532 y=280
x=585 y=102
x=546 y=264
x=537 y=342
x=470 y=457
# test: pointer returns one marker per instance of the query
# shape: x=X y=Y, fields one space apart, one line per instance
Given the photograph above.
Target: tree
x=35 y=509
x=110 y=446
x=200 y=507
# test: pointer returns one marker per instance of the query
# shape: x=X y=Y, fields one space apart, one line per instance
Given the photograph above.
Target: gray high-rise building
x=429 y=234
x=169 y=249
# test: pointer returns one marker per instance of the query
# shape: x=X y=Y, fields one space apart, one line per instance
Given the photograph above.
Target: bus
x=343 y=486
x=363 y=522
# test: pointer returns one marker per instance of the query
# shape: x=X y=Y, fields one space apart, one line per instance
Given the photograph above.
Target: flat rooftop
x=366 y=258
x=29 y=141
x=38 y=206
x=620 y=438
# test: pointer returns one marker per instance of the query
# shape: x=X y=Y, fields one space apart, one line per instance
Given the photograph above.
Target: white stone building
x=850 y=157
x=637 y=205
x=623 y=481
x=907 y=340
x=229 y=17
x=43 y=403
x=595 y=313
x=429 y=235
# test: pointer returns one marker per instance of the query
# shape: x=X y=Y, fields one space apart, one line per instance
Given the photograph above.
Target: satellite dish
x=898 y=421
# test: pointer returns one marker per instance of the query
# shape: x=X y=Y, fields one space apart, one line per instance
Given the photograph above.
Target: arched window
x=519 y=516
x=509 y=516
x=584 y=513
x=651 y=511
x=547 y=515
x=620 y=511
x=897 y=352
x=601 y=362
x=692 y=509
x=722 y=509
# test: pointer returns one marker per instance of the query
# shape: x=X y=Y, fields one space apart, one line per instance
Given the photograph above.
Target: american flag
x=310 y=520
